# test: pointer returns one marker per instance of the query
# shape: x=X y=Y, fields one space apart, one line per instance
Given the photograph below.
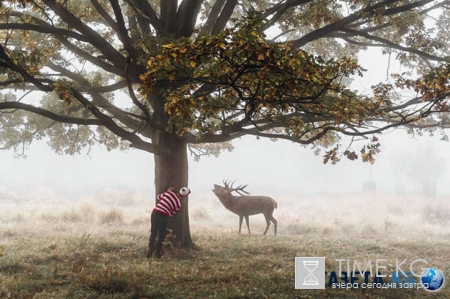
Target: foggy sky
x=268 y=167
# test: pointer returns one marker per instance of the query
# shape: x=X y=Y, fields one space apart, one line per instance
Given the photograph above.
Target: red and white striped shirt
x=168 y=203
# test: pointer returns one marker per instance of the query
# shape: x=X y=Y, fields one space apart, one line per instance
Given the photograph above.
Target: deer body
x=246 y=205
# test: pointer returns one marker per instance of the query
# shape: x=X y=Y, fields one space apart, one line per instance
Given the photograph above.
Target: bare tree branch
x=387 y=43
x=128 y=119
x=98 y=61
x=114 y=128
x=111 y=54
x=280 y=8
x=48 y=114
x=144 y=9
x=168 y=15
x=7 y=62
x=224 y=16
x=122 y=32
x=187 y=16
x=43 y=29
x=213 y=15
x=104 y=14
x=346 y=21
x=61 y=35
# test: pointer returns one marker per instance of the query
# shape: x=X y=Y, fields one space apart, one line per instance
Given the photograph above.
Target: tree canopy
x=213 y=70
x=162 y=76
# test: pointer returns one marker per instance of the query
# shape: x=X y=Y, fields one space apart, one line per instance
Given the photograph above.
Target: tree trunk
x=173 y=171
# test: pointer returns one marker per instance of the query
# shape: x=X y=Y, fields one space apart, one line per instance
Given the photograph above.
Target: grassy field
x=95 y=247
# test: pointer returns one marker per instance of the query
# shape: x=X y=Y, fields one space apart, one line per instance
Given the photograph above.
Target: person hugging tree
x=168 y=204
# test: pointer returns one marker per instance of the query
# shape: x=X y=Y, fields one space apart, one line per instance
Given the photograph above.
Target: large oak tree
x=175 y=76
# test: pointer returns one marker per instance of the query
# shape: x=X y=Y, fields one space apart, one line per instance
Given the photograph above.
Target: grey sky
x=266 y=166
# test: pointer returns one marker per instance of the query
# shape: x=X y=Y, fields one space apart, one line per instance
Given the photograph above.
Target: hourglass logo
x=310 y=273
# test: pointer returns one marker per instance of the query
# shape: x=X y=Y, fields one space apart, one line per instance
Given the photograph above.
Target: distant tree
x=169 y=76
x=422 y=166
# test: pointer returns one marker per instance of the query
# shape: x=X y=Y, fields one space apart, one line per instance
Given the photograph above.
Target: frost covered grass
x=95 y=247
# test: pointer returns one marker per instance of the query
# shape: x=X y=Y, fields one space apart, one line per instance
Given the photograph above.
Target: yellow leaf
x=192 y=64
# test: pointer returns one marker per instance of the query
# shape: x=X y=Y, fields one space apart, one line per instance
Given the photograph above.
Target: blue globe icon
x=432 y=279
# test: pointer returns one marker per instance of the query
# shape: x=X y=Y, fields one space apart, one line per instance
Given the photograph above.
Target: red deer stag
x=246 y=205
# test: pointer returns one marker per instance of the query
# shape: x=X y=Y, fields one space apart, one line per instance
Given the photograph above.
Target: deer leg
x=268 y=224
x=274 y=223
x=240 y=222
x=248 y=225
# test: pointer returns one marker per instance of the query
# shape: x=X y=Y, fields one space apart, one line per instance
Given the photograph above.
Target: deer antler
x=240 y=189
x=225 y=183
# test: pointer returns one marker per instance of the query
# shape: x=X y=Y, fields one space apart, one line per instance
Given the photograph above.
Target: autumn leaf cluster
x=434 y=86
x=239 y=77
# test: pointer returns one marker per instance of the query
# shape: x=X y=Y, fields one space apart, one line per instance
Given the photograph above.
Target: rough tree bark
x=172 y=170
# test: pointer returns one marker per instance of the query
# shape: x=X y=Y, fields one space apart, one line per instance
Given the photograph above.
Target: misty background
x=405 y=165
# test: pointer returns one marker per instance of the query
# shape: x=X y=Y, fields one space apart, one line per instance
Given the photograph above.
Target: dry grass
x=95 y=248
